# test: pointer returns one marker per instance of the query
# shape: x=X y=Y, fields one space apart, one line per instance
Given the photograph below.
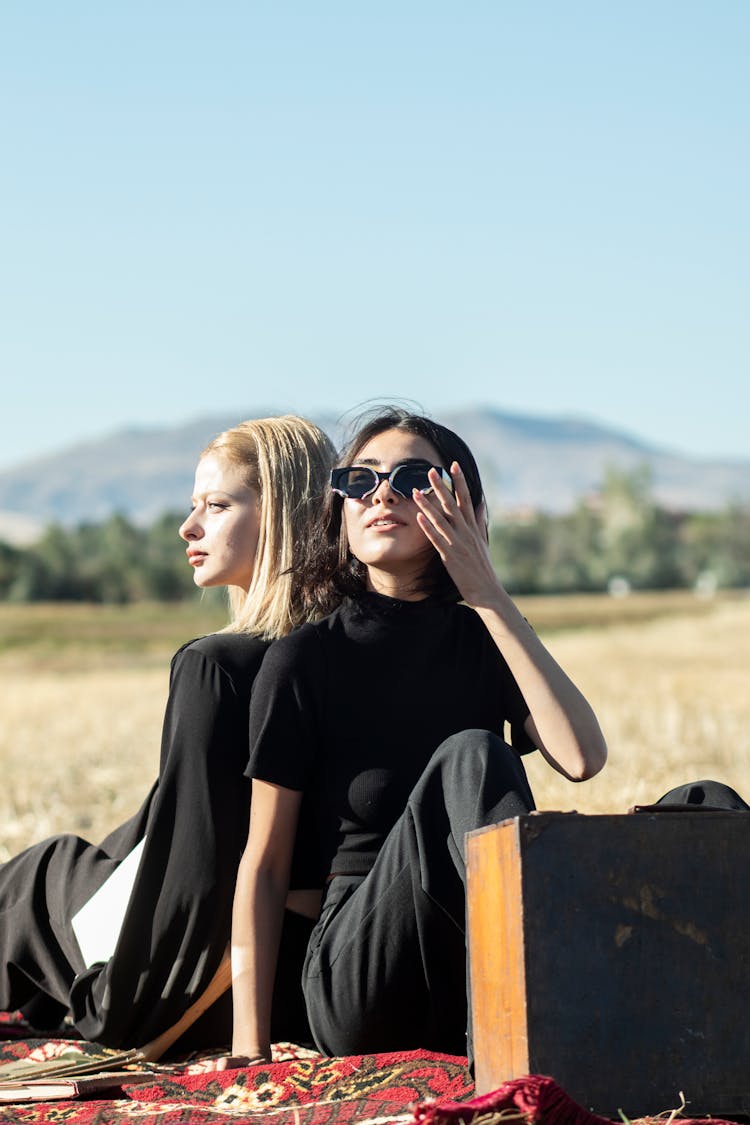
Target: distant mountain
x=526 y=461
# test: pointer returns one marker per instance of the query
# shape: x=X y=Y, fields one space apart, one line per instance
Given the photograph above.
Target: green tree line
x=619 y=539
x=114 y=562
x=622 y=539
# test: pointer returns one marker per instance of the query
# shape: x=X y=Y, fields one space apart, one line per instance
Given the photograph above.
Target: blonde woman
x=255 y=486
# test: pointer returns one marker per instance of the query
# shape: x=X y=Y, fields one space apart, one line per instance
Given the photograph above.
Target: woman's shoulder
x=303 y=639
x=239 y=654
x=299 y=654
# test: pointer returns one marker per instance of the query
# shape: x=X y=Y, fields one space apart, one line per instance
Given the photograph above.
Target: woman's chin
x=203 y=581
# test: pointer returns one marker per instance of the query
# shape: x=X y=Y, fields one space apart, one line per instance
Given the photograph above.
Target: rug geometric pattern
x=300 y=1087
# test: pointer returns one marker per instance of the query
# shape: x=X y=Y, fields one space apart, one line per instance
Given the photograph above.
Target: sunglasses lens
x=409 y=477
x=357 y=482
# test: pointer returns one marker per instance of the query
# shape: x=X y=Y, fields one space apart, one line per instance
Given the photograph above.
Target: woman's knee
x=475 y=775
x=470 y=755
x=470 y=745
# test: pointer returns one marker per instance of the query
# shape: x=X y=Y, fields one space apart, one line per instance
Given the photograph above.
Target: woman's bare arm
x=561 y=722
x=260 y=896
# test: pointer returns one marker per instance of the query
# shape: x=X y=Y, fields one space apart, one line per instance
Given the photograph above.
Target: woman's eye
x=216 y=506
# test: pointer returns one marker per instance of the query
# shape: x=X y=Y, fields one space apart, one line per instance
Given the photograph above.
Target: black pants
x=386 y=964
x=386 y=968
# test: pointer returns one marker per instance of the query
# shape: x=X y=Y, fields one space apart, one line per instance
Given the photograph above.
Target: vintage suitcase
x=612 y=953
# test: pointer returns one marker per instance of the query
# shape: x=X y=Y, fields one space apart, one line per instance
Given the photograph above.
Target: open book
x=52 y=1089
x=72 y=1074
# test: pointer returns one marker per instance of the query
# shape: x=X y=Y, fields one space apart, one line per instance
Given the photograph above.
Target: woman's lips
x=385 y=523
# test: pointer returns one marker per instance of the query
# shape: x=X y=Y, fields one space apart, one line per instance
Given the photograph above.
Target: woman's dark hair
x=325 y=569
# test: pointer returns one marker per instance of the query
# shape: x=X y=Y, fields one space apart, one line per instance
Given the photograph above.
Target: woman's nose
x=191 y=528
x=385 y=491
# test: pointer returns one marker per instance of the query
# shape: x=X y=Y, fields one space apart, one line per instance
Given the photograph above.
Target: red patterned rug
x=298 y=1088
x=301 y=1088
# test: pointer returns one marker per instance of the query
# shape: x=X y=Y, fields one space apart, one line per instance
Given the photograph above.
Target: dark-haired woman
x=381 y=732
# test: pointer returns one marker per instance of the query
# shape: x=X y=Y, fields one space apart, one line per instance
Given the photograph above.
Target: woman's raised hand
x=459 y=535
x=559 y=716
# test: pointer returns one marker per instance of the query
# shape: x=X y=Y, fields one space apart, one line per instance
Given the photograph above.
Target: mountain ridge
x=527 y=461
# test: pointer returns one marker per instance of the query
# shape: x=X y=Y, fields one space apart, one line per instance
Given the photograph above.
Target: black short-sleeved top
x=349 y=711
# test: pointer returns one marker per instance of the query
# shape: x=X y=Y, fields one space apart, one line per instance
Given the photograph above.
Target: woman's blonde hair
x=287 y=462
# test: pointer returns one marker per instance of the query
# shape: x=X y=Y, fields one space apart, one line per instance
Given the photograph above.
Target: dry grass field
x=82 y=691
x=672 y=694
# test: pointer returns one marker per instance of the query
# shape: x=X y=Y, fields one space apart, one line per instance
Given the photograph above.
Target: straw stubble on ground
x=79 y=751
x=673 y=698
x=79 y=738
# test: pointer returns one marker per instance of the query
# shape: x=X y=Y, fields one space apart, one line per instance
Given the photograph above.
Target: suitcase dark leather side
x=612 y=953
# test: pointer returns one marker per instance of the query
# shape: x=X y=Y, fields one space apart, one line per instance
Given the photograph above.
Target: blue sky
x=230 y=206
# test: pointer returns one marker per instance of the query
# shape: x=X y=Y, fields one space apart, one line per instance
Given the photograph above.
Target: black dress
x=178 y=920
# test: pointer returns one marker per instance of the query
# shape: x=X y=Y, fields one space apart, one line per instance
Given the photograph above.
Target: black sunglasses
x=355 y=482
